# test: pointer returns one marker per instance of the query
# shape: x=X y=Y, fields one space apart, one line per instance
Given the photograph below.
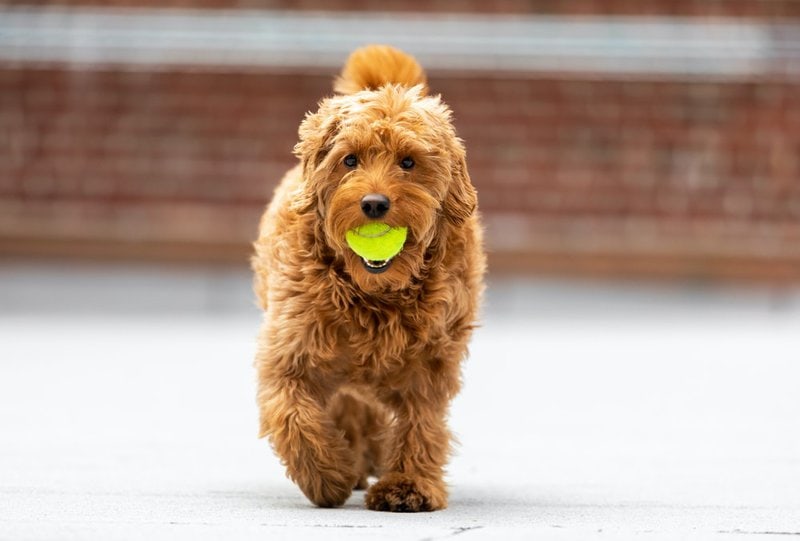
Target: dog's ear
x=316 y=133
x=316 y=136
x=462 y=199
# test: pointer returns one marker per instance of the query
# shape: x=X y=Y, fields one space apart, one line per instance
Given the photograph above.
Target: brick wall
x=137 y=158
x=576 y=174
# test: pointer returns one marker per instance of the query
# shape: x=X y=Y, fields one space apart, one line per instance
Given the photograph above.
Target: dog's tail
x=374 y=66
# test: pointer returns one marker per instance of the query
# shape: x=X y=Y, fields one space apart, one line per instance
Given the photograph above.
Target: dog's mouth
x=376 y=267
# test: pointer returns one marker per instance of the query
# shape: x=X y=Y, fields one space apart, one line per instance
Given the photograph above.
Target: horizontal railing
x=691 y=47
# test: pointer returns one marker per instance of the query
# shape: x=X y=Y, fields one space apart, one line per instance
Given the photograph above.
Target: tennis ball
x=376 y=241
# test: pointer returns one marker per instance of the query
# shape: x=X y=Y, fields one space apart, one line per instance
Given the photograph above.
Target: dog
x=358 y=360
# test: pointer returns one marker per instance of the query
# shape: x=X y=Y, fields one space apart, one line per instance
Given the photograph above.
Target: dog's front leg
x=315 y=453
x=419 y=449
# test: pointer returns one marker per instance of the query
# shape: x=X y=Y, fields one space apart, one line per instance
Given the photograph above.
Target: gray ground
x=127 y=412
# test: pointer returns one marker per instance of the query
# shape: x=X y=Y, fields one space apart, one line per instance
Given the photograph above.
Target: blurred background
x=638 y=169
x=649 y=139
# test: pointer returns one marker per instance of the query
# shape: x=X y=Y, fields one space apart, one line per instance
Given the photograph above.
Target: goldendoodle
x=359 y=355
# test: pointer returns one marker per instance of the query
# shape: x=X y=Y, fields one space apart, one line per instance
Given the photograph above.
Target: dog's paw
x=362 y=483
x=325 y=488
x=327 y=493
x=403 y=493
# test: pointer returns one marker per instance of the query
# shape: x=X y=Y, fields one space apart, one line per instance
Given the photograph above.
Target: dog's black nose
x=375 y=205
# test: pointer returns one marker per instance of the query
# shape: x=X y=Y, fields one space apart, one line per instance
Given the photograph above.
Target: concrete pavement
x=127 y=412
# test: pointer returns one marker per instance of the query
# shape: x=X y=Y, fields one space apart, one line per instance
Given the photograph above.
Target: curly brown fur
x=356 y=370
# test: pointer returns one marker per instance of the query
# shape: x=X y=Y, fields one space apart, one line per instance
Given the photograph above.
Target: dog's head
x=387 y=154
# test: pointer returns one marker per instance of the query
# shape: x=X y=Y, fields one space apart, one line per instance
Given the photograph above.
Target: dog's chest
x=373 y=342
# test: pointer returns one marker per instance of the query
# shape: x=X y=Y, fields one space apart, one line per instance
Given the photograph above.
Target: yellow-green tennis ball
x=376 y=241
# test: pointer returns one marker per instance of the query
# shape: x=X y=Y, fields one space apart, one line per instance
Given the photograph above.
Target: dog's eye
x=350 y=160
x=407 y=163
